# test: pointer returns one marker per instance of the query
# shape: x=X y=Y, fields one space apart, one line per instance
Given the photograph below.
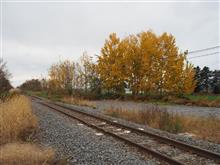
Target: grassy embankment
x=18 y=125
x=203 y=128
x=193 y=99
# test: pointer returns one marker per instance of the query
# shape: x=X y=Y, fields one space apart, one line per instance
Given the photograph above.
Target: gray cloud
x=35 y=35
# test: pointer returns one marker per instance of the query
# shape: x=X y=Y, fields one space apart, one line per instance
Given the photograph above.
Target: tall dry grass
x=207 y=128
x=16 y=119
x=17 y=124
x=25 y=154
x=79 y=101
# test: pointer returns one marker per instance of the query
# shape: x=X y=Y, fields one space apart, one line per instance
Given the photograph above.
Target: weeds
x=207 y=128
x=78 y=101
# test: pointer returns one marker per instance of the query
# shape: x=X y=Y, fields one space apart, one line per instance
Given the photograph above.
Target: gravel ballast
x=79 y=144
x=190 y=140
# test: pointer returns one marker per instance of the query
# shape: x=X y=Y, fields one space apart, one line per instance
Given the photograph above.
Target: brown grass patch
x=200 y=102
x=25 y=154
x=79 y=101
x=207 y=128
x=16 y=119
x=207 y=103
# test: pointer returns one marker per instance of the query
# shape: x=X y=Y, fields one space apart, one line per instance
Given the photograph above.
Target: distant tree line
x=5 y=84
x=139 y=64
x=33 y=85
x=207 y=81
x=85 y=80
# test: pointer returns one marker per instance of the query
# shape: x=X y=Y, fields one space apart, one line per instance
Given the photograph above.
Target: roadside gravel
x=79 y=144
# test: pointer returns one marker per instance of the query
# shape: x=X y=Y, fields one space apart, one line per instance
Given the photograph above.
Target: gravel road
x=185 y=110
x=79 y=144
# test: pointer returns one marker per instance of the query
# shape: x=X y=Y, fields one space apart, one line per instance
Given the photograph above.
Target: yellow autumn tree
x=61 y=76
x=150 y=57
x=173 y=68
x=133 y=63
x=145 y=63
x=187 y=79
x=111 y=65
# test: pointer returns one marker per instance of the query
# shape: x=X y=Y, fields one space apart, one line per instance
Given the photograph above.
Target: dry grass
x=18 y=123
x=25 y=154
x=78 y=101
x=199 y=102
x=205 y=128
x=16 y=119
x=207 y=103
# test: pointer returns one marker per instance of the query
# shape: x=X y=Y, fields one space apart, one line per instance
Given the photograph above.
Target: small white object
x=115 y=121
x=141 y=129
x=127 y=131
x=186 y=134
x=79 y=124
x=99 y=134
x=119 y=129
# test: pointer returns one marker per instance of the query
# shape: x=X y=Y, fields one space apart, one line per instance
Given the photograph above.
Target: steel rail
x=182 y=145
x=140 y=147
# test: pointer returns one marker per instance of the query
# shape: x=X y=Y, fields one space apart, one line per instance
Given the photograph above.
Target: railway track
x=155 y=145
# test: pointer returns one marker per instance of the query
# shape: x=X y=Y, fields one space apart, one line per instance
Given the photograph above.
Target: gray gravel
x=80 y=144
x=182 y=109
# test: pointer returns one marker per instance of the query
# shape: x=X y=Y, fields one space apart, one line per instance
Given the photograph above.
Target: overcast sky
x=35 y=35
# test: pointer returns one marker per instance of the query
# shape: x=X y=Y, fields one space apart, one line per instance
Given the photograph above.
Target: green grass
x=4 y=95
x=44 y=94
x=195 y=97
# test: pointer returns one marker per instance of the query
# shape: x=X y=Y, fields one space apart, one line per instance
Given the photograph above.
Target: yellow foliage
x=145 y=63
x=61 y=75
x=111 y=64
